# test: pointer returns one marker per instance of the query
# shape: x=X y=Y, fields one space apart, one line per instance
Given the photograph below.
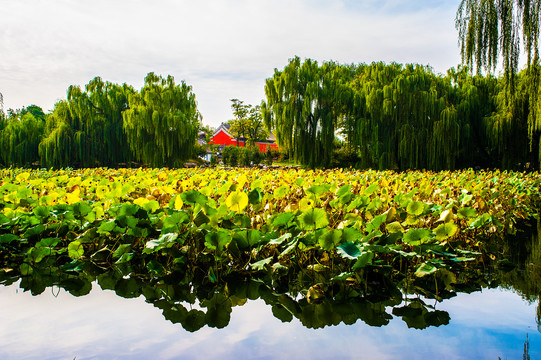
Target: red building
x=222 y=137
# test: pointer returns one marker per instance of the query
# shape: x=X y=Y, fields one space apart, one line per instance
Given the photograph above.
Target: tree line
x=394 y=116
x=105 y=124
x=384 y=116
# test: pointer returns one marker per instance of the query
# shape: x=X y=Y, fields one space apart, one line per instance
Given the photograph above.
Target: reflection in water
x=383 y=297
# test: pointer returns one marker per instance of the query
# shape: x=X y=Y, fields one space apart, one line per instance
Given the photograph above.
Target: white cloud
x=224 y=49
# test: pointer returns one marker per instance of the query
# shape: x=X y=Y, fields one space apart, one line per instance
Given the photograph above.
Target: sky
x=224 y=49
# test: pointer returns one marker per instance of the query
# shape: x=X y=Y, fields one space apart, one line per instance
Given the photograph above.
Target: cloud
x=224 y=49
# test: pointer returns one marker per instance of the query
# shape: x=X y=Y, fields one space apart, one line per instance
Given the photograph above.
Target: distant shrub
x=243 y=156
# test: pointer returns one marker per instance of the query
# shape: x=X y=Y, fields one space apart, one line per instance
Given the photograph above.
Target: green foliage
x=489 y=30
x=400 y=117
x=20 y=135
x=247 y=126
x=223 y=236
x=303 y=104
x=161 y=122
x=243 y=156
x=86 y=129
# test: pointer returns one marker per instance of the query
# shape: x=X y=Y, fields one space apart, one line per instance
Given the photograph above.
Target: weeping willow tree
x=391 y=116
x=20 y=135
x=490 y=30
x=303 y=106
x=407 y=117
x=161 y=122
x=86 y=129
x=507 y=127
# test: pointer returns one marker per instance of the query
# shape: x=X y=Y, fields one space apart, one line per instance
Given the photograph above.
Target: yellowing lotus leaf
x=22 y=177
x=141 y=201
x=178 y=202
x=72 y=198
x=306 y=204
x=237 y=201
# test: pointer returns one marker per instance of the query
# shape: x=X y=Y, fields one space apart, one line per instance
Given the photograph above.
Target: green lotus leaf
x=313 y=219
x=7 y=238
x=394 y=227
x=363 y=260
x=330 y=239
x=415 y=208
x=164 y=241
x=26 y=269
x=255 y=196
x=467 y=212
x=282 y=220
x=318 y=190
x=345 y=189
x=425 y=269
x=194 y=320
x=416 y=237
x=371 y=189
x=349 y=250
x=261 y=264
x=445 y=230
x=41 y=211
x=81 y=209
x=193 y=197
x=217 y=240
x=75 y=250
x=351 y=235
x=34 y=231
x=106 y=227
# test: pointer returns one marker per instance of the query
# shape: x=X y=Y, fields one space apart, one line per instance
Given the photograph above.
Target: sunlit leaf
x=313 y=219
x=425 y=269
x=467 y=212
x=415 y=208
x=445 y=230
x=349 y=250
x=237 y=201
x=330 y=239
x=75 y=250
x=416 y=237
x=261 y=264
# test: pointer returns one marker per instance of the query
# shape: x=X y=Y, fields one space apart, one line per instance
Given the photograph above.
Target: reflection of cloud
x=47 y=46
x=101 y=325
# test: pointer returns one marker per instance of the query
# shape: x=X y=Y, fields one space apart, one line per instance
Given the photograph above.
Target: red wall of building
x=223 y=139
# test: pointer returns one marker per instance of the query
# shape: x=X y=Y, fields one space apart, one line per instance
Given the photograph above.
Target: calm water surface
x=488 y=324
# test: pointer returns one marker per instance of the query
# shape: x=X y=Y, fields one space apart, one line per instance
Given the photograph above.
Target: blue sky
x=224 y=49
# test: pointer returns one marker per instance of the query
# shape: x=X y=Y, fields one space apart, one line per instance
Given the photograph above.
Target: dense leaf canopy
x=393 y=116
x=105 y=125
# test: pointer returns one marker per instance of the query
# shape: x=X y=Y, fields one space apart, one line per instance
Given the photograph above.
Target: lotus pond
x=151 y=263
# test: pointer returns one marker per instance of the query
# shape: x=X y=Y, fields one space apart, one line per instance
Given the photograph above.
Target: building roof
x=223 y=127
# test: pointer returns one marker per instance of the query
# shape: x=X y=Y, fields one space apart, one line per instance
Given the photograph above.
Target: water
x=486 y=324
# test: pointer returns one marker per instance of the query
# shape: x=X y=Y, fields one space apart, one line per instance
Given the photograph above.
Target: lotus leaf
x=237 y=201
x=349 y=250
x=75 y=250
x=415 y=237
x=313 y=219
x=415 y=208
x=445 y=230
x=330 y=239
